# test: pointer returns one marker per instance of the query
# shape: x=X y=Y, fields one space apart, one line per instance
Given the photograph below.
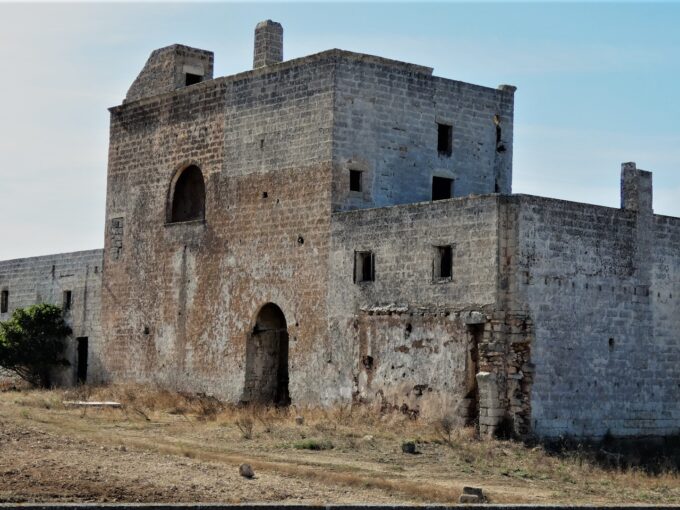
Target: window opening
x=66 y=300
x=444 y=139
x=188 y=201
x=442 y=188
x=4 y=301
x=192 y=79
x=355 y=180
x=442 y=268
x=364 y=266
x=499 y=133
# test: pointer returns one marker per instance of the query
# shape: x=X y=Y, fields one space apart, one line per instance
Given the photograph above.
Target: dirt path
x=50 y=453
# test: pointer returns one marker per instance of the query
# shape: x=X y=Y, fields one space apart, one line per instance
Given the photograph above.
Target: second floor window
x=364 y=266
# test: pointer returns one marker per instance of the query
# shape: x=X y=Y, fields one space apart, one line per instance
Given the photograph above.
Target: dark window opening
x=66 y=300
x=188 y=201
x=355 y=180
x=4 y=301
x=442 y=268
x=367 y=362
x=192 y=79
x=82 y=360
x=500 y=147
x=364 y=266
x=444 y=139
x=442 y=188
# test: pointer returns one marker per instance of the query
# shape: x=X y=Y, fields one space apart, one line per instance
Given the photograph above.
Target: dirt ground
x=161 y=447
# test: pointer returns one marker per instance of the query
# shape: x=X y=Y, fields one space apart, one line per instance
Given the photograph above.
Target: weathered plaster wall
x=386 y=116
x=43 y=280
x=180 y=300
x=597 y=283
x=415 y=329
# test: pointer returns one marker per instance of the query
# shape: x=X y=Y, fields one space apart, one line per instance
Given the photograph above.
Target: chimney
x=268 y=44
x=636 y=188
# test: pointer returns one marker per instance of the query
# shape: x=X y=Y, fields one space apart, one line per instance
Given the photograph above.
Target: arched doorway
x=267 y=359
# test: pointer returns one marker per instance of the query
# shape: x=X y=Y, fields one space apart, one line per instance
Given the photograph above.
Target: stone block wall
x=385 y=125
x=44 y=279
x=167 y=68
x=181 y=299
x=598 y=284
x=407 y=335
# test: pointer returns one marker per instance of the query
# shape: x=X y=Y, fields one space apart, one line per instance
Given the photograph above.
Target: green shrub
x=32 y=343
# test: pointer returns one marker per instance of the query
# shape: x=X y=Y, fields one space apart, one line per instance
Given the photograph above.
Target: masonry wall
x=406 y=336
x=180 y=300
x=44 y=279
x=386 y=116
x=597 y=283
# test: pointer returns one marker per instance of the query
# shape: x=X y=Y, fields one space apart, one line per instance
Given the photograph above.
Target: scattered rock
x=122 y=448
x=299 y=420
x=368 y=439
x=472 y=495
x=468 y=498
x=246 y=471
x=408 y=447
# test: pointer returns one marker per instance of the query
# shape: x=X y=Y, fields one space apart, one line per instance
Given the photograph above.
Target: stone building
x=341 y=227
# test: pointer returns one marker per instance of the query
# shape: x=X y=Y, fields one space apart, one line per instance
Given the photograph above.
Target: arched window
x=188 y=196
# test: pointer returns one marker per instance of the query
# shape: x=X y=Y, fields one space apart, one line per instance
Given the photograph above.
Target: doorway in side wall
x=475 y=336
x=81 y=361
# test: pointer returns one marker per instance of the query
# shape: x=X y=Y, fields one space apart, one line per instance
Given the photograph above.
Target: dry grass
x=365 y=449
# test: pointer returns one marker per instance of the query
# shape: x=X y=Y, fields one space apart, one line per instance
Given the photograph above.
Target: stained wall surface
x=44 y=279
x=181 y=298
x=405 y=334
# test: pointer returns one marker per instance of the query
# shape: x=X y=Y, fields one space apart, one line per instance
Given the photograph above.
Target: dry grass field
x=165 y=447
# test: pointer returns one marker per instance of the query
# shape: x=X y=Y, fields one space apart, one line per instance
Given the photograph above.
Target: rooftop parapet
x=169 y=69
x=636 y=188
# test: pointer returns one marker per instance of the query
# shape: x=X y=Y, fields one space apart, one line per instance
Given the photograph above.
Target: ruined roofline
x=424 y=203
x=177 y=46
x=80 y=253
x=514 y=197
x=328 y=56
x=539 y=198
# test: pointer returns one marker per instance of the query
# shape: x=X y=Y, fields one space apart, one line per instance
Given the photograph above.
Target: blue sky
x=598 y=84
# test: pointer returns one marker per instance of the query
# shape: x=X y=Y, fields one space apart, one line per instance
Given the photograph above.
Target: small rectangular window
x=444 y=139
x=192 y=79
x=442 y=266
x=66 y=300
x=355 y=180
x=442 y=188
x=364 y=266
x=4 y=301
